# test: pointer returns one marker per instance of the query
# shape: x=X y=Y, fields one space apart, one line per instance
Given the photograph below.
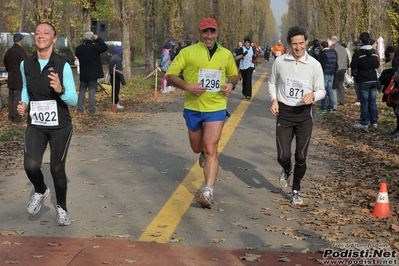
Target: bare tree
x=122 y=14
x=149 y=35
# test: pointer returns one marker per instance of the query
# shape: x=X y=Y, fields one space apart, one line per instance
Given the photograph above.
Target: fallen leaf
x=250 y=257
x=285 y=259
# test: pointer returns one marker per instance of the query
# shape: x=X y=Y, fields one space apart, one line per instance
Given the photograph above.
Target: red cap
x=207 y=23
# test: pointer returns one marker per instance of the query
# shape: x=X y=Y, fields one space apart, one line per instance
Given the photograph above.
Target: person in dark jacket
x=328 y=61
x=315 y=51
x=12 y=60
x=364 y=64
x=91 y=68
x=48 y=89
x=116 y=62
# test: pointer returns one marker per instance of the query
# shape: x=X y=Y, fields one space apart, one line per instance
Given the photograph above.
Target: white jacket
x=290 y=80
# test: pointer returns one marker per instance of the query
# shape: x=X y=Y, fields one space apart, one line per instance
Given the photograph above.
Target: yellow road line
x=164 y=224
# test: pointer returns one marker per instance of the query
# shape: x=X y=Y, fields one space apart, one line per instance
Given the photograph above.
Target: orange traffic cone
x=381 y=207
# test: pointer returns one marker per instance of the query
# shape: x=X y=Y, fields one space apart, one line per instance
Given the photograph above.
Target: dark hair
x=364 y=38
x=389 y=50
x=372 y=41
x=295 y=31
x=247 y=39
x=51 y=25
x=316 y=42
x=324 y=44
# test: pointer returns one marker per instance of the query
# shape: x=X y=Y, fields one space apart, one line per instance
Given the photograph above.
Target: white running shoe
x=205 y=198
x=296 y=198
x=62 y=216
x=285 y=177
x=35 y=202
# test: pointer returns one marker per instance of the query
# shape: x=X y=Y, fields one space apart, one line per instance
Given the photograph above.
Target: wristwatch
x=62 y=92
x=234 y=85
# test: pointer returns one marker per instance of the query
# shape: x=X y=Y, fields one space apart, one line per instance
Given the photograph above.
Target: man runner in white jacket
x=296 y=82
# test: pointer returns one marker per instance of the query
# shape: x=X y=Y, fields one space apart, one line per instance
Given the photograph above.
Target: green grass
x=138 y=61
x=11 y=135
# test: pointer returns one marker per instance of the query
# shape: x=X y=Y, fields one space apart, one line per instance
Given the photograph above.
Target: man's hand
x=195 y=89
x=274 y=108
x=227 y=88
x=308 y=98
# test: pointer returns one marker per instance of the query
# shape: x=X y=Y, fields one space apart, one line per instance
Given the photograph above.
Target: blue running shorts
x=194 y=119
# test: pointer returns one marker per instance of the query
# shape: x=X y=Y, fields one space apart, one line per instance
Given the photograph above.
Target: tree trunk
x=149 y=35
x=126 y=64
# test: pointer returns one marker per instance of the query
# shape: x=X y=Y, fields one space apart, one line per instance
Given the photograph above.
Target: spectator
x=315 y=51
x=164 y=65
x=355 y=47
x=172 y=51
x=328 y=61
x=364 y=64
x=91 y=69
x=116 y=62
x=385 y=79
x=180 y=46
x=12 y=60
x=339 y=76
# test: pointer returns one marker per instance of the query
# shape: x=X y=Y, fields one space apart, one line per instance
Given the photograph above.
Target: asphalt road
x=137 y=181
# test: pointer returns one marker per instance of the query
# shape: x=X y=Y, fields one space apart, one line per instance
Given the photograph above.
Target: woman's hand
x=55 y=82
x=21 y=108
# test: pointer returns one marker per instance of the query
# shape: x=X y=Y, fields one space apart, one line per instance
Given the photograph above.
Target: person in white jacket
x=296 y=82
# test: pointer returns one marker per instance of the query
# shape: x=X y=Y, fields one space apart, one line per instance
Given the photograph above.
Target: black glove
x=245 y=53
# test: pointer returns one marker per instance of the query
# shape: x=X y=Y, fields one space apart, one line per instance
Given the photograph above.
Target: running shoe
x=201 y=160
x=360 y=126
x=296 y=198
x=35 y=202
x=285 y=177
x=205 y=198
x=62 y=216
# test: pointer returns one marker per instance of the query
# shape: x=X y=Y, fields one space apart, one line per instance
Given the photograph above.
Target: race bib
x=210 y=79
x=278 y=53
x=295 y=89
x=44 y=113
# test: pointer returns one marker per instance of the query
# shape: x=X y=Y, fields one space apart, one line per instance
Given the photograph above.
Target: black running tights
x=36 y=140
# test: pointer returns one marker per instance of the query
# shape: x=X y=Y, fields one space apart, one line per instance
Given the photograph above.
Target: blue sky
x=278 y=7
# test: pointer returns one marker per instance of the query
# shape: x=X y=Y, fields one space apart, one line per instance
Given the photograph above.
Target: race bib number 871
x=44 y=113
x=210 y=79
x=295 y=89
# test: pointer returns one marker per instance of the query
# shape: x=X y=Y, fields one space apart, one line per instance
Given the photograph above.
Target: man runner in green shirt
x=209 y=76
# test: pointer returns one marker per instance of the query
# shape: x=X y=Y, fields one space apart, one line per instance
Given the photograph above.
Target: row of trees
x=144 y=24
x=345 y=18
x=148 y=24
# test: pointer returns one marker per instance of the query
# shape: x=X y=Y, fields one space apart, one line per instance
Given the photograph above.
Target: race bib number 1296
x=210 y=79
